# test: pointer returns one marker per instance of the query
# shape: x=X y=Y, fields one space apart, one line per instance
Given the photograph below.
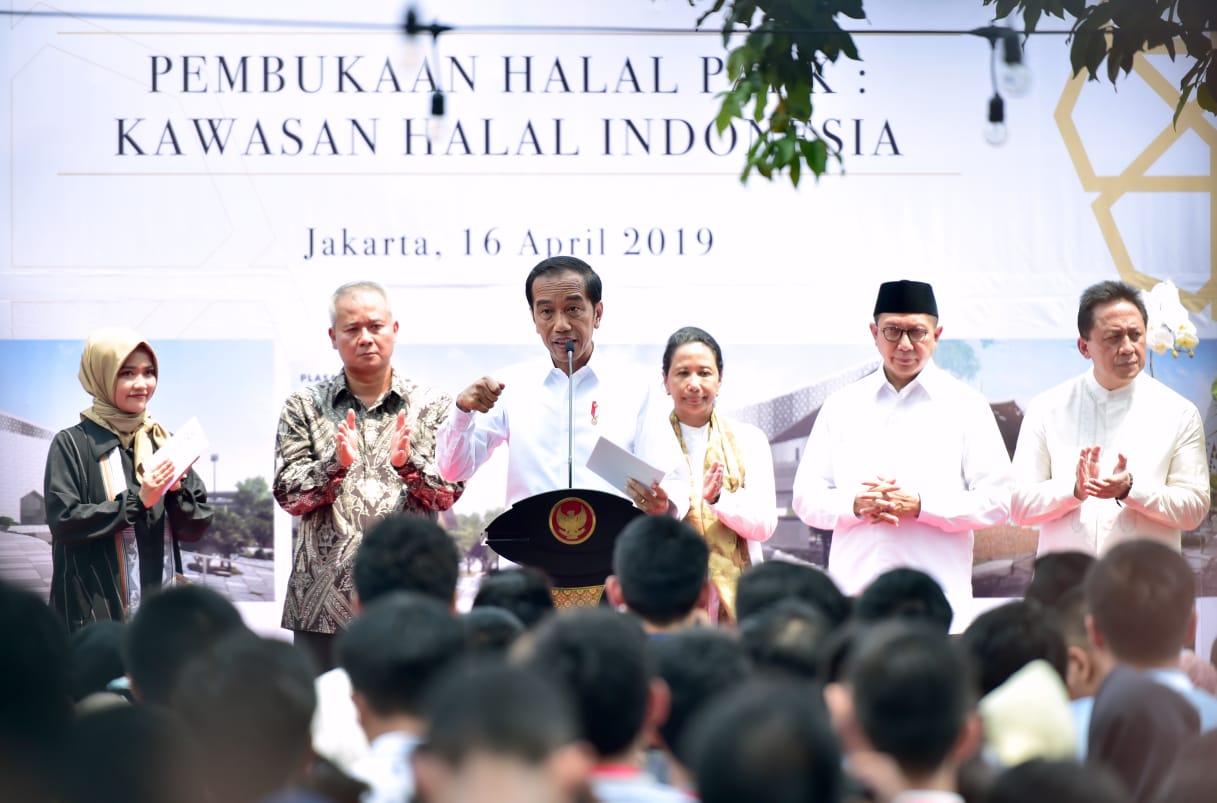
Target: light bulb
x=1013 y=77
x=995 y=132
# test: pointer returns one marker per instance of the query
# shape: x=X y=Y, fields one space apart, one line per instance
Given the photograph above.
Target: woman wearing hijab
x=116 y=515
x=723 y=482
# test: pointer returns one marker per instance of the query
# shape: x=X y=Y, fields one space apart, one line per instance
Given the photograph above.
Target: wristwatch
x=1124 y=495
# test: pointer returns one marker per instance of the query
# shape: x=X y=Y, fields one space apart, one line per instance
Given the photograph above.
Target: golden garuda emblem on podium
x=572 y=521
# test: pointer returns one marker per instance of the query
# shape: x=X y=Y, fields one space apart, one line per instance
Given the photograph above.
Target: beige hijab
x=105 y=352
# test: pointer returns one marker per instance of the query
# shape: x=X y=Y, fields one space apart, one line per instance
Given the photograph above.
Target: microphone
x=570 y=414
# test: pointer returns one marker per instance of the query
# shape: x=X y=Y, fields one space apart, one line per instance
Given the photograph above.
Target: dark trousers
x=319 y=647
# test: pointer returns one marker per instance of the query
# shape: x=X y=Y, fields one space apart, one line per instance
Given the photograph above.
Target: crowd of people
x=705 y=674
x=809 y=695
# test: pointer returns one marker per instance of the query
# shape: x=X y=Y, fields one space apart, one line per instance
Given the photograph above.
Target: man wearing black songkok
x=905 y=463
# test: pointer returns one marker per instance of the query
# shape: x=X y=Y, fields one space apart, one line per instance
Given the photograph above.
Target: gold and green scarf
x=728 y=552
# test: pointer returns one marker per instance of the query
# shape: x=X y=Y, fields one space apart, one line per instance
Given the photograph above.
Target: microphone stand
x=570 y=414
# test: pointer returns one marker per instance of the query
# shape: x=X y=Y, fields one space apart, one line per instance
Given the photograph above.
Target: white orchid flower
x=1169 y=326
x=1164 y=306
x=1186 y=338
x=1160 y=339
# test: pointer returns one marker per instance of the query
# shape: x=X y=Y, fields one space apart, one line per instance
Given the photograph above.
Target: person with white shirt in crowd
x=401 y=553
x=903 y=464
x=392 y=653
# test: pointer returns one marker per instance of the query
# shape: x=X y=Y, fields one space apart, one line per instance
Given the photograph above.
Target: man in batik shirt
x=350 y=451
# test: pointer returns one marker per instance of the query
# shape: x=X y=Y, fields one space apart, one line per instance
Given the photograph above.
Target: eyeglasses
x=892 y=334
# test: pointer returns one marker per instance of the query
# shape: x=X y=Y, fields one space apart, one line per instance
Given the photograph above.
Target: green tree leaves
x=785 y=45
x=1116 y=31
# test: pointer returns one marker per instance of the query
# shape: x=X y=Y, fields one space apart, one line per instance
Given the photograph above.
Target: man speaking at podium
x=526 y=406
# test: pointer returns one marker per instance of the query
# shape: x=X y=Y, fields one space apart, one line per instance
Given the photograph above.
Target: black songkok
x=905 y=297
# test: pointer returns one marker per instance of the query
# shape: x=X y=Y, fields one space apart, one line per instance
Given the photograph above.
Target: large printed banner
x=210 y=183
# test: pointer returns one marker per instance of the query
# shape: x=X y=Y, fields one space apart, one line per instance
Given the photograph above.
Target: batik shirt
x=336 y=505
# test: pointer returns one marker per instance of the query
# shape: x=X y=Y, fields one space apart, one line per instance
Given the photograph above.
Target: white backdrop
x=121 y=204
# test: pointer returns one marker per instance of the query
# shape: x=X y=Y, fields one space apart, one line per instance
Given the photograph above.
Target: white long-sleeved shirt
x=531 y=416
x=937 y=437
x=1156 y=429
x=751 y=511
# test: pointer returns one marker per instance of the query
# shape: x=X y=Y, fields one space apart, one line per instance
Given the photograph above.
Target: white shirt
x=337 y=734
x=531 y=416
x=1156 y=429
x=623 y=785
x=927 y=796
x=750 y=510
x=386 y=768
x=937 y=437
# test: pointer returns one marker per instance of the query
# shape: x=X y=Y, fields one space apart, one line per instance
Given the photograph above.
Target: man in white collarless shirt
x=525 y=406
x=1111 y=454
x=903 y=464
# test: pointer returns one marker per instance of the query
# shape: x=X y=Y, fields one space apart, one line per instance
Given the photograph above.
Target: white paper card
x=616 y=465
x=187 y=445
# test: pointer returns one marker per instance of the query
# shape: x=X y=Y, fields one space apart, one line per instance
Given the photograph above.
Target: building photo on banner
x=208 y=175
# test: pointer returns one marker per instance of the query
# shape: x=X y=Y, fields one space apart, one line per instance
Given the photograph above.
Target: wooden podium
x=569 y=535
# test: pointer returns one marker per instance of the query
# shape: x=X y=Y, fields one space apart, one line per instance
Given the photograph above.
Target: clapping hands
x=1089 y=482
x=347 y=441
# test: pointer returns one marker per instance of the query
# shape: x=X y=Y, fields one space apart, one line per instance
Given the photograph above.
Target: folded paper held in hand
x=616 y=465
x=186 y=446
